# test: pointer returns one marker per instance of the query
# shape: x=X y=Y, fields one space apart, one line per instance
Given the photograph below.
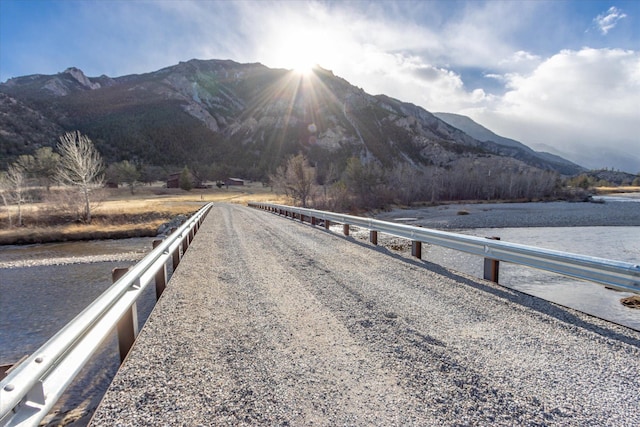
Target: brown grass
x=122 y=214
x=617 y=190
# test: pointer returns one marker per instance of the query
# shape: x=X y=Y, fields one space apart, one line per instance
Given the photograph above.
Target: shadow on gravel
x=540 y=305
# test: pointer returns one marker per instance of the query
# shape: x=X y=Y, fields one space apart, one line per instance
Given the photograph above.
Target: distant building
x=233 y=181
x=173 y=180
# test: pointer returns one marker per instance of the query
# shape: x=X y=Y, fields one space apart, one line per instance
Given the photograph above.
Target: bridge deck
x=273 y=322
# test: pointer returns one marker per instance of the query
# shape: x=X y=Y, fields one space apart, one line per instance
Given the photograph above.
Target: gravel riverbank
x=502 y=215
x=269 y=321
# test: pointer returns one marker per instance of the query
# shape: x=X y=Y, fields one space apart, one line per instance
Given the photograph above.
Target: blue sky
x=557 y=75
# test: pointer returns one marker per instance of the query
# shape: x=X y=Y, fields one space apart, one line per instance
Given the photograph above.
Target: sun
x=304 y=69
x=302 y=61
x=299 y=49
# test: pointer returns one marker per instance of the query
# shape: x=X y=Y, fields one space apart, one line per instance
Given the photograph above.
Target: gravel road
x=269 y=321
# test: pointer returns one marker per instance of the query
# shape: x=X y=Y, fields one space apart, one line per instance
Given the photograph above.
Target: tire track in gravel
x=319 y=359
x=421 y=362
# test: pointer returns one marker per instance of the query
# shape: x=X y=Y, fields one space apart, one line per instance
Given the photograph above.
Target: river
x=43 y=287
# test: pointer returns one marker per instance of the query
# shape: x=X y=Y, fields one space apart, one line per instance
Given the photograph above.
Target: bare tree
x=5 y=194
x=80 y=166
x=366 y=181
x=16 y=178
x=296 y=179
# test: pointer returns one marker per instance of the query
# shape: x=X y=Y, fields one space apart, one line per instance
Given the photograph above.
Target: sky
x=560 y=76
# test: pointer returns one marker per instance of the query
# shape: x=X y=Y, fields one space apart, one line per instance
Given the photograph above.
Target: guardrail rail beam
x=620 y=275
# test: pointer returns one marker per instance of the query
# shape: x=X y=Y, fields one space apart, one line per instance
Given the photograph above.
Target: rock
x=165 y=229
x=631 y=302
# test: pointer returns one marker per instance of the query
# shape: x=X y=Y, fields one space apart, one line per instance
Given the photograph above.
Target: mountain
x=241 y=119
x=509 y=147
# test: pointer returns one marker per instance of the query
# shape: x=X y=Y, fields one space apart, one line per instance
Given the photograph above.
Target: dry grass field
x=120 y=214
x=617 y=190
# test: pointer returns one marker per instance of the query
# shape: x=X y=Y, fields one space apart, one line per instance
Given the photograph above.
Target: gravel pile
x=500 y=215
x=122 y=257
x=268 y=321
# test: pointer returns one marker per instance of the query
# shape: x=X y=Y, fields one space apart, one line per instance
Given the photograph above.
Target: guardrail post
x=128 y=325
x=345 y=229
x=416 y=249
x=185 y=243
x=313 y=220
x=175 y=255
x=3 y=370
x=373 y=236
x=327 y=223
x=491 y=266
x=161 y=275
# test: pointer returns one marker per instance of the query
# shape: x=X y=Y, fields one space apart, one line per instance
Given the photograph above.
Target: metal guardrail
x=619 y=275
x=32 y=387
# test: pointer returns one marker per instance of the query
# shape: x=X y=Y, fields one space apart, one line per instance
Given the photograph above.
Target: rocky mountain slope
x=242 y=118
x=510 y=147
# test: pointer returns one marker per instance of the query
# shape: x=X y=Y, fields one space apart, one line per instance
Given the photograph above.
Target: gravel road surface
x=269 y=321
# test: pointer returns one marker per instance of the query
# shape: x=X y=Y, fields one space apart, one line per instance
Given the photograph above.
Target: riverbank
x=614 y=212
x=122 y=215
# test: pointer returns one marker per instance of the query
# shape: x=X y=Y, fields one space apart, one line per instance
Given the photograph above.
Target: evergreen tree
x=186 y=182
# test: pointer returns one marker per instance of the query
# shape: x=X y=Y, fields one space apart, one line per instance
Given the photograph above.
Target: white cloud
x=484 y=34
x=608 y=20
x=520 y=61
x=374 y=50
x=584 y=102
